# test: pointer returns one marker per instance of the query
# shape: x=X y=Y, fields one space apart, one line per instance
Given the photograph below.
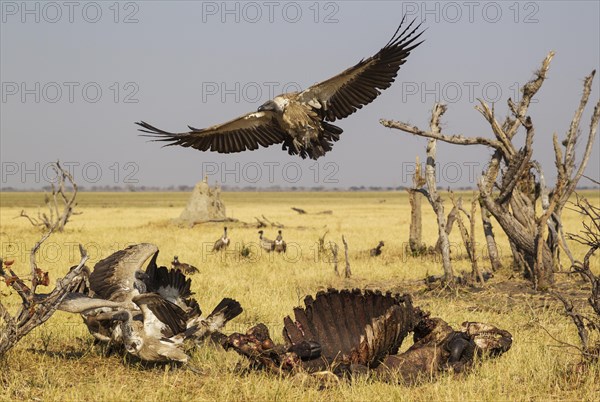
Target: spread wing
x=351 y=327
x=114 y=278
x=246 y=132
x=344 y=94
x=161 y=317
x=174 y=286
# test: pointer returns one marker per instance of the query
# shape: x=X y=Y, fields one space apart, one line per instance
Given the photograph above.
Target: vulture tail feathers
x=150 y=129
x=228 y=309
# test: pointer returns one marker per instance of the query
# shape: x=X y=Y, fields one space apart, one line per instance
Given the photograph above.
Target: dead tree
x=415 y=242
x=321 y=249
x=347 y=271
x=265 y=222
x=60 y=203
x=474 y=258
x=468 y=235
x=490 y=238
x=589 y=236
x=334 y=253
x=35 y=309
x=512 y=181
x=431 y=192
x=299 y=210
x=450 y=219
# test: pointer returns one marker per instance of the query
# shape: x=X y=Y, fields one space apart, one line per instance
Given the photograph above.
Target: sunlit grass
x=58 y=361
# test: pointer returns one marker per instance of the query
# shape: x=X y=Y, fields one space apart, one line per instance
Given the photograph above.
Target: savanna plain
x=58 y=360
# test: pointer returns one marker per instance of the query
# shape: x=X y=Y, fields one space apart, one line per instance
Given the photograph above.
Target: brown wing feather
x=113 y=277
x=352 y=327
x=359 y=85
x=246 y=132
x=171 y=315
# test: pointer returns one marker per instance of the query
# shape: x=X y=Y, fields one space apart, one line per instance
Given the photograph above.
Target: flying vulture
x=301 y=121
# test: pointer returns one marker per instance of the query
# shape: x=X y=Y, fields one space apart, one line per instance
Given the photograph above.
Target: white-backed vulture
x=223 y=242
x=301 y=120
x=150 y=312
x=187 y=269
x=279 y=245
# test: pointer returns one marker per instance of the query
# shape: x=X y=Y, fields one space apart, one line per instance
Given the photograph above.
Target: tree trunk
x=524 y=241
x=433 y=196
x=449 y=224
x=490 y=239
x=415 y=242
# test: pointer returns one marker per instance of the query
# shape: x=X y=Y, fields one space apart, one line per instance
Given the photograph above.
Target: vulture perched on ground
x=377 y=250
x=149 y=312
x=353 y=332
x=301 y=121
x=223 y=242
x=183 y=267
x=266 y=244
x=279 y=245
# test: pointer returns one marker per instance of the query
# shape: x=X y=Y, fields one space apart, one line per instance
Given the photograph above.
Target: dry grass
x=58 y=360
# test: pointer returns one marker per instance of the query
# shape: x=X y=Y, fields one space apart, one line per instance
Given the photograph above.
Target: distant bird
x=279 y=245
x=300 y=120
x=185 y=268
x=266 y=244
x=223 y=242
x=377 y=250
x=149 y=312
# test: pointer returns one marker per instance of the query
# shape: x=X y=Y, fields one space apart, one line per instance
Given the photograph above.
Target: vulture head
x=276 y=104
x=134 y=345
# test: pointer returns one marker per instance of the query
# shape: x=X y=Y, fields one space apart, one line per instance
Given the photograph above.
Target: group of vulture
x=278 y=245
x=130 y=302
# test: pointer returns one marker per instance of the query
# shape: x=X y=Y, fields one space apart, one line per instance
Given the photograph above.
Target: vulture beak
x=269 y=105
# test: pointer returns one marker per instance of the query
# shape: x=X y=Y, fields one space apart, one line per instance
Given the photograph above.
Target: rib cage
x=352 y=327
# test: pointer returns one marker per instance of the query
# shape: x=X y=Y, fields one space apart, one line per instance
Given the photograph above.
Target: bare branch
x=457 y=139
x=592 y=180
x=572 y=134
x=506 y=147
x=334 y=253
x=35 y=309
x=57 y=220
x=586 y=155
x=529 y=90
x=32 y=261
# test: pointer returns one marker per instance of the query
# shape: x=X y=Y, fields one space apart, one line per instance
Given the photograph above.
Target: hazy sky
x=77 y=75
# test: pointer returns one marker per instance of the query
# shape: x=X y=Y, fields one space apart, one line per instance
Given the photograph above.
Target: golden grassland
x=59 y=362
